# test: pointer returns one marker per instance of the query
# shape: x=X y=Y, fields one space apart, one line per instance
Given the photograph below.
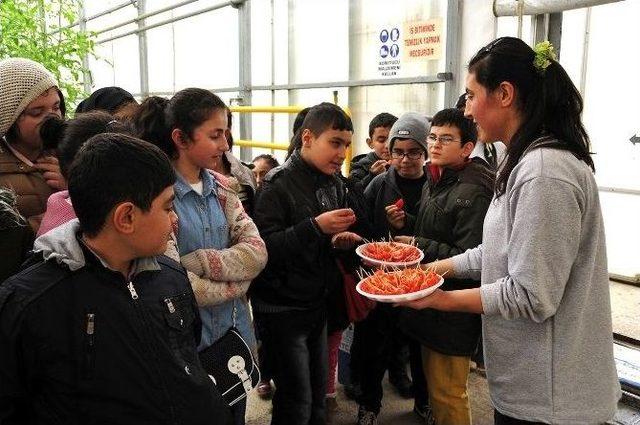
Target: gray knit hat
x=21 y=82
x=410 y=125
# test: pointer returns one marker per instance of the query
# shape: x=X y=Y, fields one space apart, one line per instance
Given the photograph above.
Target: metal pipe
x=144 y=16
x=538 y=7
x=452 y=55
x=244 y=71
x=265 y=145
x=585 y=53
x=619 y=190
x=439 y=78
x=97 y=15
x=168 y=21
x=142 y=51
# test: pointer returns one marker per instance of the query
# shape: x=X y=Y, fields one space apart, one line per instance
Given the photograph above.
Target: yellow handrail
x=256 y=144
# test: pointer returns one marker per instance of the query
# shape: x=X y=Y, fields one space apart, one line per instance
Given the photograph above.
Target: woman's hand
x=50 y=169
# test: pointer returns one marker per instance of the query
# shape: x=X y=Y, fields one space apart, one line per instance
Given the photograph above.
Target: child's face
x=29 y=121
x=208 y=142
x=378 y=142
x=327 y=151
x=260 y=168
x=448 y=150
x=408 y=158
x=153 y=228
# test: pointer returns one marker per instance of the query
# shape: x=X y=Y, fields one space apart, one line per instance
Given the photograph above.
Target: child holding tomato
x=449 y=221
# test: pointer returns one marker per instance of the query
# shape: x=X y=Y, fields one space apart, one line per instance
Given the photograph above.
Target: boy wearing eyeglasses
x=376 y=337
x=449 y=221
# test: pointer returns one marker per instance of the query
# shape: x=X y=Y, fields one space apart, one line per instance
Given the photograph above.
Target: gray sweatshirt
x=547 y=330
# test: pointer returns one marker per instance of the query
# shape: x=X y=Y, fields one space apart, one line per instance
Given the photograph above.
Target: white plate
x=375 y=262
x=402 y=297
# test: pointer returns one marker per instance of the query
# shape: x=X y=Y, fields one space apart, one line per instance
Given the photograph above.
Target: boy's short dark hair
x=455 y=118
x=80 y=129
x=326 y=116
x=384 y=119
x=271 y=160
x=113 y=168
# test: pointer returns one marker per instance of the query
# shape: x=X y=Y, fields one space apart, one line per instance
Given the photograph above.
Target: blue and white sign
x=395 y=34
x=394 y=50
x=388 y=53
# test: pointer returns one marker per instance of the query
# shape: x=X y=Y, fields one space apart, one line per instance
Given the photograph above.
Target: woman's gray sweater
x=547 y=331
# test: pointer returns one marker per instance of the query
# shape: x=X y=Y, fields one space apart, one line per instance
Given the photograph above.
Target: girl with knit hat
x=28 y=94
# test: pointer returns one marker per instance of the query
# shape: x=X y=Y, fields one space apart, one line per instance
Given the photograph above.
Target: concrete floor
x=395 y=410
x=625 y=305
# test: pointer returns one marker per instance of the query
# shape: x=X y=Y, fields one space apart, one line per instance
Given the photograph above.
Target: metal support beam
x=142 y=51
x=244 y=77
x=555 y=32
x=585 y=53
x=145 y=16
x=86 y=74
x=291 y=57
x=539 y=7
x=453 y=52
x=439 y=78
x=165 y=22
x=540 y=28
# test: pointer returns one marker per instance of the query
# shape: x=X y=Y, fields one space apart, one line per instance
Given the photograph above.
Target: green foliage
x=40 y=30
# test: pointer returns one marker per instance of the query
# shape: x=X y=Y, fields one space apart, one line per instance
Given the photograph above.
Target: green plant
x=41 y=30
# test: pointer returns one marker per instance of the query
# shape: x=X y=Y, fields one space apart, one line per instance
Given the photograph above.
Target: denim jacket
x=206 y=236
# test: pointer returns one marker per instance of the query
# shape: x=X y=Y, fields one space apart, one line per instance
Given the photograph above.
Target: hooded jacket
x=80 y=344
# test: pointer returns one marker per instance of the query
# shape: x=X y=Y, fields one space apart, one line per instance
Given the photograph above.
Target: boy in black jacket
x=366 y=166
x=300 y=212
x=449 y=221
x=97 y=329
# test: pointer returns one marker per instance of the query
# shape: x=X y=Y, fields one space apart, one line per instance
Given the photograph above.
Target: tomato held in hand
x=399 y=203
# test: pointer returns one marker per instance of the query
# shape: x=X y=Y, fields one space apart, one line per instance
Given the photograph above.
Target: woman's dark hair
x=455 y=118
x=157 y=117
x=80 y=129
x=296 y=140
x=547 y=99
x=273 y=163
x=113 y=168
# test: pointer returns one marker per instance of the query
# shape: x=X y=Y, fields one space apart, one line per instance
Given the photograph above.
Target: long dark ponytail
x=548 y=100
x=157 y=117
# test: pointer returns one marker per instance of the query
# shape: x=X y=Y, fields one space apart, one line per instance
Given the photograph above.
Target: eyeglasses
x=432 y=139
x=412 y=154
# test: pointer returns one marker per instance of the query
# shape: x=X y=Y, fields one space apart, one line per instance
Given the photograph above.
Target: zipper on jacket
x=90 y=327
x=170 y=306
x=141 y=313
x=132 y=290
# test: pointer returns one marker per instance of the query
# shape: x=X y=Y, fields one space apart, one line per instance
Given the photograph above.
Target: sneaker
x=403 y=385
x=425 y=413
x=264 y=390
x=366 y=417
